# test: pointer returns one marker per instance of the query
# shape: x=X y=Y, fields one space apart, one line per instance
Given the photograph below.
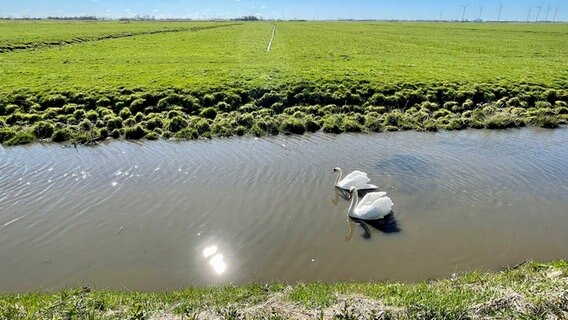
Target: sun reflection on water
x=209 y=251
x=218 y=264
x=217 y=261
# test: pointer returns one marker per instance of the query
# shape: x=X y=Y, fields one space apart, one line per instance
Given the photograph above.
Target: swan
x=373 y=206
x=356 y=178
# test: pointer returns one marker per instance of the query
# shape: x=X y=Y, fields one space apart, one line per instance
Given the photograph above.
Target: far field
x=225 y=66
x=376 y=52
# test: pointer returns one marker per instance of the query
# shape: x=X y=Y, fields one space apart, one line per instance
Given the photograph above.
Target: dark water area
x=168 y=215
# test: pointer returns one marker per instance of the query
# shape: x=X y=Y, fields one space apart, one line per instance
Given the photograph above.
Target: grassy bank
x=202 y=80
x=334 y=107
x=530 y=291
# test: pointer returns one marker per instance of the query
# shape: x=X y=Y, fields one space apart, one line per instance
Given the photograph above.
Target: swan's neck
x=353 y=204
x=339 y=176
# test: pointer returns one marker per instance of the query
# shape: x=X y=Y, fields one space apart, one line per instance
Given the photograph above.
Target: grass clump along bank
x=85 y=82
x=529 y=291
x=297 y=108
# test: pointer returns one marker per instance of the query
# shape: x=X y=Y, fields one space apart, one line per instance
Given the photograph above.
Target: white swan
x=356 y=179
x=373 y=206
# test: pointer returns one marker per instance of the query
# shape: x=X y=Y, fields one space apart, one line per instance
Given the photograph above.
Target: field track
x=271 y=39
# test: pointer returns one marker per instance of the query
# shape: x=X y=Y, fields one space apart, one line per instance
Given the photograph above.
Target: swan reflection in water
x=217 y=261
x=340 y=193
x=387 y=224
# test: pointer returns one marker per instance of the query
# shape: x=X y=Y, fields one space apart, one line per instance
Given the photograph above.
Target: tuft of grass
x=7 y=134
x=21 y=137
x=136 y=132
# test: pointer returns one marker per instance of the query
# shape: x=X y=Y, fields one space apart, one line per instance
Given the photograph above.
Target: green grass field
x=359 y=70
x=382 y=53
x=531 y=291
x=21 y=33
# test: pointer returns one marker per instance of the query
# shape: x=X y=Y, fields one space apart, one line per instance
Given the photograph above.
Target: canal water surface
x=168 y=215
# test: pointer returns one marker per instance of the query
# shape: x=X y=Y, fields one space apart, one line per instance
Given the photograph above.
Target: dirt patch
x=277 y=306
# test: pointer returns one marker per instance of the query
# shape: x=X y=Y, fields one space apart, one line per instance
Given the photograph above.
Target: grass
x=532 y=290
x=381 y=53
x=200 y=80
x=20 y=35
x=294 y=109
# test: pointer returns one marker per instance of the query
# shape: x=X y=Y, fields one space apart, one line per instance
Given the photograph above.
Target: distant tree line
x=87 y=18
x=135 y=18
x=247 y=18
x=94 y=18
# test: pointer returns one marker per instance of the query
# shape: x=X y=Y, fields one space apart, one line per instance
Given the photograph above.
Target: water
x=167 y=215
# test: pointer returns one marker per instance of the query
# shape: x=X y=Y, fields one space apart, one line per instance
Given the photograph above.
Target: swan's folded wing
x=367 y=186
x=370 y=198
x=356 y=173
x=376 y=210
x=354 y=179
x=383 y=205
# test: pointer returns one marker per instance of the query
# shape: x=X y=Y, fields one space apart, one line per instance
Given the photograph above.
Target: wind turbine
x=480 y=12
x=463 y=13
x=500 y=10
x=547 y=12
x=529 y=15
x=538 y=14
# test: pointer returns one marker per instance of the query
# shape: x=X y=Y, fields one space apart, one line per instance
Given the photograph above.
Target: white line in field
x=271 y=38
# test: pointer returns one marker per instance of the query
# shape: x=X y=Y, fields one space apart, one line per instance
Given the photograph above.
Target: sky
x=517 y=10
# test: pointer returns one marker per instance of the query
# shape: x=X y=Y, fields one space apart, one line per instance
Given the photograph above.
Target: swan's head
x=336 y=169
x=351 y=191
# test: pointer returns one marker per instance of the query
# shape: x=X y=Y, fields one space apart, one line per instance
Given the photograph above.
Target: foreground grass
x=530 y=291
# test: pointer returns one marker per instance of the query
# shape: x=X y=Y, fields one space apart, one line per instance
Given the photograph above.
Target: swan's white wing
x=370 y=198
x=375 y=207
x=355 y=173
x=367 y=186
x=354 y=179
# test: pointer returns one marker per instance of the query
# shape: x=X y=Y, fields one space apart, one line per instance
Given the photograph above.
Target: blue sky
x=289 y=9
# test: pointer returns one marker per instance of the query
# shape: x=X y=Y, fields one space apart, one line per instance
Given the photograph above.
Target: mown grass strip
x=77 y=40
x=532 y=290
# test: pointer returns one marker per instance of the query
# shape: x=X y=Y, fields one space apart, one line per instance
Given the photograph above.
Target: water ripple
x=459 y=198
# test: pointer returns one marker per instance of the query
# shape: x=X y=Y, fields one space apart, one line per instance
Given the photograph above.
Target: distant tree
x=247 y=18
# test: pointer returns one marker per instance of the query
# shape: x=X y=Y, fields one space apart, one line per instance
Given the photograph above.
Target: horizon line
x=247 y=18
